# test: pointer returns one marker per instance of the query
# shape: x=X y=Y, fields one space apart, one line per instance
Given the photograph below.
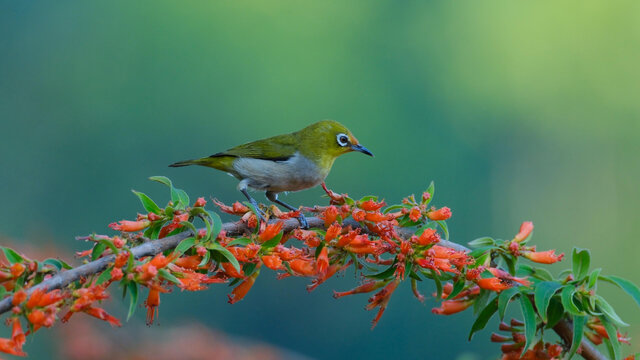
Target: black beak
x=361 y=149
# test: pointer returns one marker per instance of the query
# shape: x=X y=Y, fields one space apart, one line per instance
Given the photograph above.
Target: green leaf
x=436 y=279
x=578 y=332
x=11 y=255
x=431 y=190
x=444 y=227
x=483 y=241
x=566 y=296
x=147 y=203
x=3 y=292
x=624 y=284
x=593 y=278
x=185 y=245
x=271 y=243
x=384 y=274
x=248 y=269
x=98 y=249
x=504 y=298
x=217 y=225
x=226 y=253
x=162 y=179
x=167 y=275
x=555 y=313
x=485 y=315
x=133 y=290
x=612 y=342
x=458 y=286
x=153 y=231
x=479 y=251
x=104 y=276
x=481 y=300
x=529 y=322
x=543 y=293
x=581 y=260
x=607 y=310
x=205 y=259
x=180 y=197
x=240 y=241
x=57 y=263
x=392 y=208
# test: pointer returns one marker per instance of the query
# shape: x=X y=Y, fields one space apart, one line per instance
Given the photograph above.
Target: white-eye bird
x=288 y=162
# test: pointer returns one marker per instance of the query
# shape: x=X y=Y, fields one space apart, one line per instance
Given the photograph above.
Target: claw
x=303 y=222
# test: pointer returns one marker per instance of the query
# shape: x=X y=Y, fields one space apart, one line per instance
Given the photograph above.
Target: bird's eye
x=343 y=139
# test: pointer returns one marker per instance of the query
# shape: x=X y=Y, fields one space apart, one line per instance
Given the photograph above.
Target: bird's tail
x=224 y=163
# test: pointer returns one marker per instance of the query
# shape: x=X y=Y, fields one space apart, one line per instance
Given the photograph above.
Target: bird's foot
x=303 y=222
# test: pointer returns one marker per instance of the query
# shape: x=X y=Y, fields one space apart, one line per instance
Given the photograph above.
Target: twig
x=64 y=278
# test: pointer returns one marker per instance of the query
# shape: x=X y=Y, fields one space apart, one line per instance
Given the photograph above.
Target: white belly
x=295 y=174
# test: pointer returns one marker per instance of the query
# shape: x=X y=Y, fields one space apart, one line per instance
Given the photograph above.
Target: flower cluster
x=388 y=245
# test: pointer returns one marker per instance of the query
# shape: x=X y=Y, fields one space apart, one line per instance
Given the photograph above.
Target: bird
x=284 y=163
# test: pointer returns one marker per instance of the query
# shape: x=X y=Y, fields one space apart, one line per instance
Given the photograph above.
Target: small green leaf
x=481 y=301
x=216 y=226
x=288 y=267
x=392 y=208
x=436 y=279
x=271 y=243
x=167 y=275
x=205 y=259
x=607 y=310
x=3 y=292
x=578 y=332
x=147 y=203
x=104 y=276
x=226 y=253
x=581 y=260
x=431 y=190
x=11 y=255
x=593 y=278
x=485 y=315
x=458 y=286
x=57 y=263
x=566 y=296
x=240 y=241
x=185 y=245
x=483 y=241
x=504 y=298
x=543 y=293
x=624 y=284
x=612 y=342
x=444 y=227
x=479 y=251
x=384 y=274
x=98 y=249
x=162 y=179
x=133 y=290
x=248 y=269
x=555 y=313
x=529 y=322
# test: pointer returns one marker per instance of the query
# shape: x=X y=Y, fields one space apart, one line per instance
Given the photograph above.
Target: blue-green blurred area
x=517 y=110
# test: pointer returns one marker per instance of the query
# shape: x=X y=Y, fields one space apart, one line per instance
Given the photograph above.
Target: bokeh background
x=517 y=110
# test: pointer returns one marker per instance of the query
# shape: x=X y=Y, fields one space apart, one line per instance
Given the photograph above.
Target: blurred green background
x=517 y=110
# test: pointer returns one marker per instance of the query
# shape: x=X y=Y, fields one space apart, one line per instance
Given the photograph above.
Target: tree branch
x=564 y=328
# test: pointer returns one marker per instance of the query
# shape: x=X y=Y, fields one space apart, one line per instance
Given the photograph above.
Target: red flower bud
x=19 y=298
x=17 y=269
x=543 y=257
x=449 y=307
x=415 y=214
x=130 y=226
x=201 y=202
x=240 y=291
x=358 y=214
x=116 y=274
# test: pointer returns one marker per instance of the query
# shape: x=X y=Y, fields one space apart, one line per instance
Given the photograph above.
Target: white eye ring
x=343 y=139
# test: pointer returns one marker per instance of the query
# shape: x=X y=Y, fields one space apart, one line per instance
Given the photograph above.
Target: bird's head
x=329 y=139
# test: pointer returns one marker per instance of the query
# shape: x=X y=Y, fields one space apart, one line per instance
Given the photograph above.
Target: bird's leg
x=243 y=189
x=274 y=198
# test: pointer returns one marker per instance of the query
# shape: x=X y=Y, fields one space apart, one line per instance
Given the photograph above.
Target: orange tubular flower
x=240 y=291
x=303 y=267
x=429 y=236
x=375 y=217
x=371 y=205
x=543 y=257
x=323 y=262
x=103 y=315
x=441 y=214
x=495 y=284
x=381 y=299
x=332 y=232
x=525 y=229
x=348 y=238
x=358 y=214
x=19 y=297
x=366 y=287
x=152 y=303
x=270 y=231
x=130 y=226
x=17 y=269
x=34 y=299
x=231 y=271
x=415 y=214
x=191 y=262
x=273 y=262
x=51 y=297
x=449 y=307
x=329 y=215
x=9 y=346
